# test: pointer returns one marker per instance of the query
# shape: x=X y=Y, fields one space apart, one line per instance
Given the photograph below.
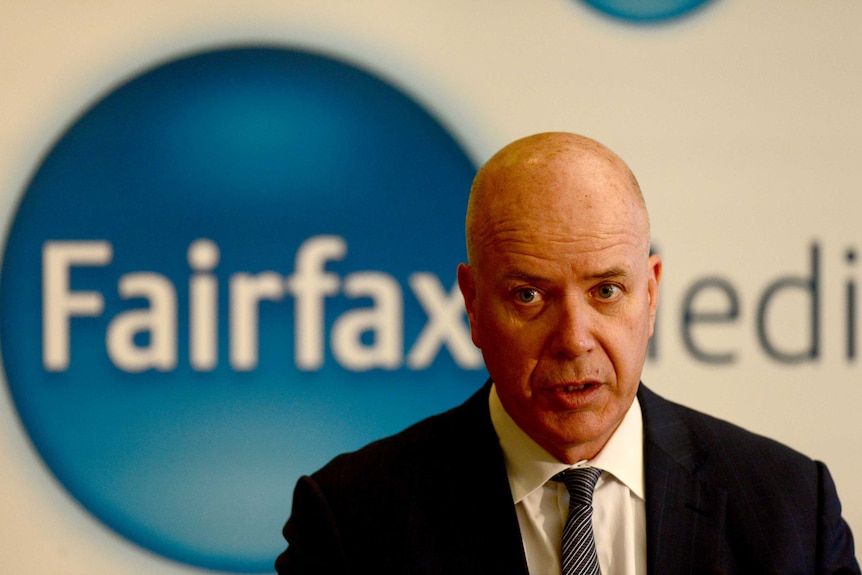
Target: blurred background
x=740 y=119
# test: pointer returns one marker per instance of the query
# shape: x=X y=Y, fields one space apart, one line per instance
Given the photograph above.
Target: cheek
x=628 y=352
x=507 y=350
x=496 y=341
x=491 y=325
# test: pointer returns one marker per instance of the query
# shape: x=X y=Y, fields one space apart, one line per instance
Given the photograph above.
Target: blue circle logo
x=646 y=10
x=228 y=270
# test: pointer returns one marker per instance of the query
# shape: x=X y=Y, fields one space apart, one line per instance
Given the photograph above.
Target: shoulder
x=711 y=446
x=441 y=441
x=779 y=505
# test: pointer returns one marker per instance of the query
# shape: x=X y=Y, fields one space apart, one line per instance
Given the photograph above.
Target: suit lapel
x=685 y=515
x=469 y=496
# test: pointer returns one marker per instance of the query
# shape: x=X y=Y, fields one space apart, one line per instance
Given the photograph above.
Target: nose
x=573 y=330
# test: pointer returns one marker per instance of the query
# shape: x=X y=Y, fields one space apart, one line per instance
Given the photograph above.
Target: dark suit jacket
x=435 y=499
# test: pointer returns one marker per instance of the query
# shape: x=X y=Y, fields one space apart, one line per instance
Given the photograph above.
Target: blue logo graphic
x=646 y=10
x=228 y=270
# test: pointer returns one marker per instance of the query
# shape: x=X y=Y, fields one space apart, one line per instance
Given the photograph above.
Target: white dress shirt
x=619 y=509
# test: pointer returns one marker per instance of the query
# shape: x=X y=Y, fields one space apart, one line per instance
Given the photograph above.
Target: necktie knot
x=580 y=483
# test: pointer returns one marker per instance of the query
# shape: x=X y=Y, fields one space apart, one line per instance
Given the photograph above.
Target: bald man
x=561 y=292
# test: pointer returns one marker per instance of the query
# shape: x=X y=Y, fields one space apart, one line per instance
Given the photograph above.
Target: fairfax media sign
x=228 y=270
x=310 y=285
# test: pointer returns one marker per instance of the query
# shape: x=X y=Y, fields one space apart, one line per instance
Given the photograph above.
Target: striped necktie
x=579 y=545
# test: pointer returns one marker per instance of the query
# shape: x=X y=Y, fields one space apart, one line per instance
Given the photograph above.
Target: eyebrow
x=610 y=273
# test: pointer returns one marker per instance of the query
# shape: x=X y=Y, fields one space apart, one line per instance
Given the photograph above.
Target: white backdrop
x=741 y=122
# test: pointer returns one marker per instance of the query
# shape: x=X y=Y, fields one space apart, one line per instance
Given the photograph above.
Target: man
x=561 y=293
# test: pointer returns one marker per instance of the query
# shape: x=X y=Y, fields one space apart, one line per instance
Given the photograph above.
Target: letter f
x=310 y=285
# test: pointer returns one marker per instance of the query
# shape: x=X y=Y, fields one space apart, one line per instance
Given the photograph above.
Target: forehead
x=561 y=210
x=543 y=256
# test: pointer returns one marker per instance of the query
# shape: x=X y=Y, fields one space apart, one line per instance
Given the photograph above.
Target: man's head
x=560 y=289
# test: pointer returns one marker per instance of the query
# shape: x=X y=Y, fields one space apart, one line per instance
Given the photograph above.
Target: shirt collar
x=529 y=466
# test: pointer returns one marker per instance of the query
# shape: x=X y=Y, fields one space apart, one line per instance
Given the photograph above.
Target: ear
x=653 y=279
x=467 y=284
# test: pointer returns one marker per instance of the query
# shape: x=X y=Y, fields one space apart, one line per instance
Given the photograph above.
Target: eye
x=608 y=291
x=527 y=295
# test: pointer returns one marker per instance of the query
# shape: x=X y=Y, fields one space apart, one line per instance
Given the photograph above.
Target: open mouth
x=574 y=395
x=574 y=388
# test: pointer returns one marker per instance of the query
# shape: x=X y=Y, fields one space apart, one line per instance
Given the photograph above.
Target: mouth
x=573 y=396
x=576 y=387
